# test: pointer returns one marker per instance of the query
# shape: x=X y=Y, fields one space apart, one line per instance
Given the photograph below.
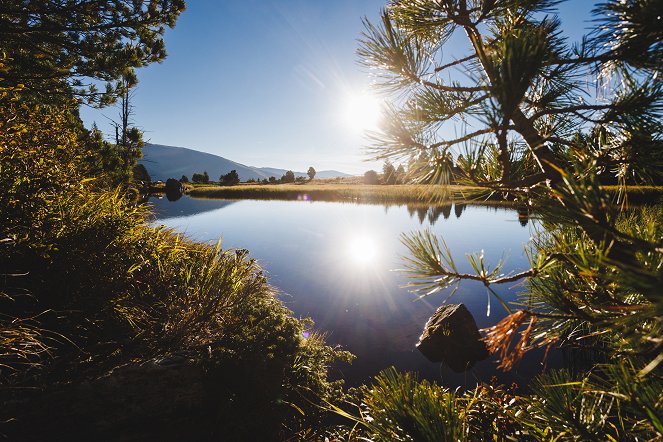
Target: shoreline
x=335 y=191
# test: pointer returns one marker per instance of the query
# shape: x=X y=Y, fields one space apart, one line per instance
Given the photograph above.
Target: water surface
x=334 y=262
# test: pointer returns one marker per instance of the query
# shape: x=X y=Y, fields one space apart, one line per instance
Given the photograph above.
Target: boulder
x=174 y=189
x=451 y=336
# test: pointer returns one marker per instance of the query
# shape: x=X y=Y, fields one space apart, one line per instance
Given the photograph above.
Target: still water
x=336 y=262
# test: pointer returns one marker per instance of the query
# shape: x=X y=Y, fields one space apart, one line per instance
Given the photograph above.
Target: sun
x=362 y=111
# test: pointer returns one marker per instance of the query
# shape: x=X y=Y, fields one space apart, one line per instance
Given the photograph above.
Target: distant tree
x=371 y=177
x=128 y=138
x=289 y=177
x=272 y=179
x=311 y=173
x=184 y=179
x=388 y=173
x=229 y=179
x=400 y=174
x=300 y=179
x=264 y=181
x=200 y=177
x=251 y=180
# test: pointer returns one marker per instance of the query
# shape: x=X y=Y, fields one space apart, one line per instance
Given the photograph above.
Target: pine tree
x=55 y=48
x=533 y=128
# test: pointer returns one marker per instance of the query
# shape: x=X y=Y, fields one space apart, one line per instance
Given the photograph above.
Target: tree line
x=232 y=178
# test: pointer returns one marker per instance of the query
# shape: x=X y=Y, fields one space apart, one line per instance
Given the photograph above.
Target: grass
x=353 y=190
x=339 y=192
x=109 y=291
x=333 y=192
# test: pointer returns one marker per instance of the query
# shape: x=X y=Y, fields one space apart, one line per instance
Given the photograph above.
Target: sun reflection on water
x=362 y=249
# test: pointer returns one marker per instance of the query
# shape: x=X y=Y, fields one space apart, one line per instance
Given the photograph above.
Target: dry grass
x=352 y=189
x=340 y=192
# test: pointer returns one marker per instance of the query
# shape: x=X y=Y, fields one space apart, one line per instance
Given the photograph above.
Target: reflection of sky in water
x=334 y=262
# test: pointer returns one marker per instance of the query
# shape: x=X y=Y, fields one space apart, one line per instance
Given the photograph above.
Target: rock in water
x=451 y=336
x=174 y=189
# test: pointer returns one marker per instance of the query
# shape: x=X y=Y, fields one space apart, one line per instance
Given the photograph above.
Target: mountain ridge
x=163 y=162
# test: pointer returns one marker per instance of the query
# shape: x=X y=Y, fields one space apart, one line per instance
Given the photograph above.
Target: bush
x=229 y=179
x=92 y=293
x=371 y=177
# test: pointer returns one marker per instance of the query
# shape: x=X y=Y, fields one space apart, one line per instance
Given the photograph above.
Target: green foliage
x=399 y=407
x=288 y=177
x=54 y=48
x=140 y=174
x=200 y=177
x=112 y=164
x=229 y=179
x=311 y=173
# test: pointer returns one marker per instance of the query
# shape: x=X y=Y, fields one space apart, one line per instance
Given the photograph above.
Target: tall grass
x=105 y=290
x=338 y=193
x=390 y=194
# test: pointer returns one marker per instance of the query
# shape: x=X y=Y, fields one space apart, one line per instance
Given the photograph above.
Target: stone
x=174 y=189
x=451 y=336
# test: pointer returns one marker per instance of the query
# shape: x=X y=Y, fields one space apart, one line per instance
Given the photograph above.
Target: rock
x=174 y=189
x=451 y=336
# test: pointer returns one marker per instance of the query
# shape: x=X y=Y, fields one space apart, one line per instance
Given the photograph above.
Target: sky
x=268 y=83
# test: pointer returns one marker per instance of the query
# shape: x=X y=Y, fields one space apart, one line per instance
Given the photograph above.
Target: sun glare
x=362 y=111
x=362 y=249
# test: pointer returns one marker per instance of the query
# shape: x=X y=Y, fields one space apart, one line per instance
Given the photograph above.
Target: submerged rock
x=451 y=336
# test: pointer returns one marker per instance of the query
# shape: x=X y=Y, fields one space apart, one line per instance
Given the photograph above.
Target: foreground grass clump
x=97 y=290
x=561 y=406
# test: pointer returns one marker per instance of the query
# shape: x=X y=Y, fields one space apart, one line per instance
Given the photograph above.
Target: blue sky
x=266 y=82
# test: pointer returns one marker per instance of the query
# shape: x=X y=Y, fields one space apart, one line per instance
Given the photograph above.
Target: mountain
x=278 y=173
x=163 y=162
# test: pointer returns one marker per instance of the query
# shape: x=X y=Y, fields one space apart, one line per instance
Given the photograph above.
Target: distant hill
x=163 y=162
x=278 y=173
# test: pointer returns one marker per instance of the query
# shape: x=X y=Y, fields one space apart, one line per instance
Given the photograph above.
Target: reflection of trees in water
x=421 y=213
x=523 y=215
x=432 y=213
x=173 y=195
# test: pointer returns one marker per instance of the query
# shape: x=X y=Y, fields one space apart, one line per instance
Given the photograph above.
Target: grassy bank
x=339 y=192
x=352 y=190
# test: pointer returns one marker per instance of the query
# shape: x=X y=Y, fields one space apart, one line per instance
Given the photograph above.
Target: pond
x=335 y=263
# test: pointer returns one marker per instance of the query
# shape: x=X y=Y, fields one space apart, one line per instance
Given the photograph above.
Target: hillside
x=163 y=162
